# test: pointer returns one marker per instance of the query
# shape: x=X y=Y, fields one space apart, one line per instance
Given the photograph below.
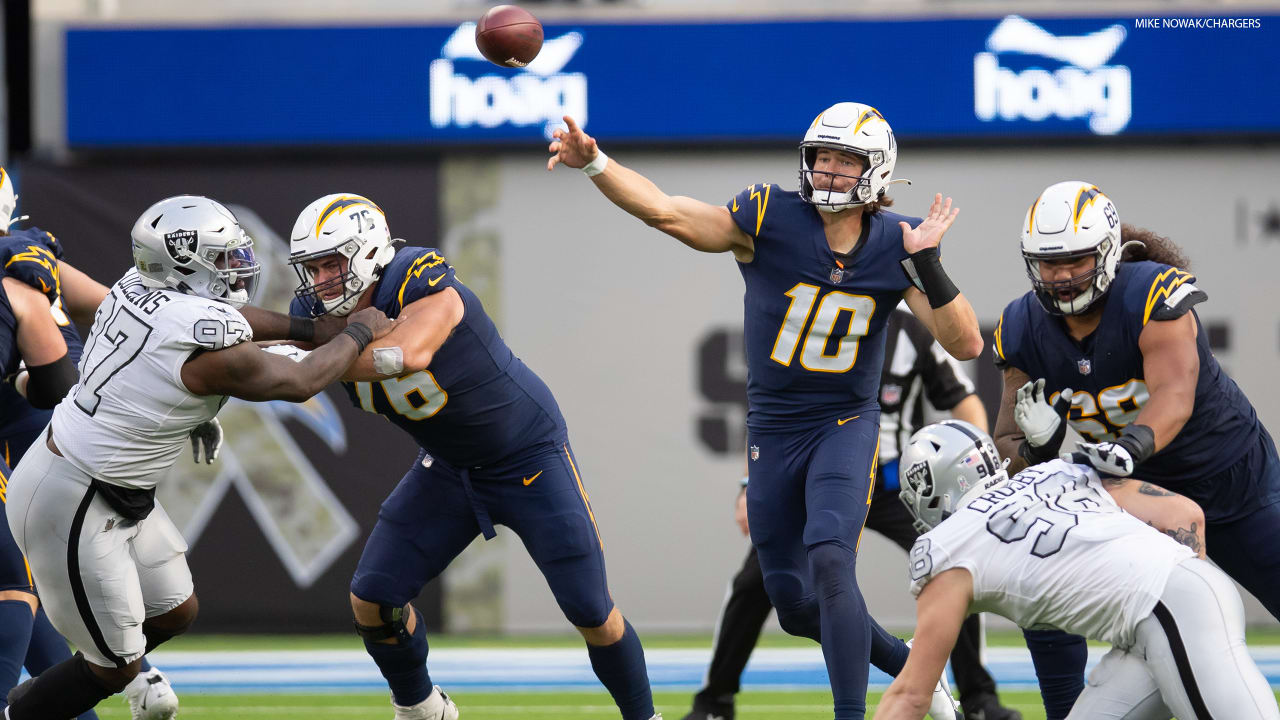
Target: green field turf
x=507 y=706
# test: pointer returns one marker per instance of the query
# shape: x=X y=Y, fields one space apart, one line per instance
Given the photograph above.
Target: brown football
x=509 y=36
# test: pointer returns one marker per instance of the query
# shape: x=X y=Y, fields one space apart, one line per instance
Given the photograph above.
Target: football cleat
x=437 y=706
x=988 y=707
x=151 y=697
x=722 y=714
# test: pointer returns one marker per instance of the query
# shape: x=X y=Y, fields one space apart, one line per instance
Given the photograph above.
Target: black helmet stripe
x=977 y=442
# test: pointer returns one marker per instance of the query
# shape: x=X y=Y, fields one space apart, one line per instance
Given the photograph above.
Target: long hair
x=878 y=204
x=1154 y=247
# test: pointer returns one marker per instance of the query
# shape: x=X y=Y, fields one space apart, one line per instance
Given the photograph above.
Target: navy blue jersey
x=1105 y=371
x=476 y=405
x=31 y=256
x=812 y=327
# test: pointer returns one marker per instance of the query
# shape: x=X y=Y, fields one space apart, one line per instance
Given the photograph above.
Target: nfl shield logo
x=890 y=394
x=755 y=452
x=1084 y=365
x=836 y=275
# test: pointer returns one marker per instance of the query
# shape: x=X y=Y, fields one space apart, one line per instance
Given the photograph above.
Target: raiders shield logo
x=836 y=276
x=181 y=245
x=755 y=452
x=1084 y=365
x=920 y=479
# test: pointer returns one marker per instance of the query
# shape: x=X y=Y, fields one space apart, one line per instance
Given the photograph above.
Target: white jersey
x=128 y=419
x=1050 y=549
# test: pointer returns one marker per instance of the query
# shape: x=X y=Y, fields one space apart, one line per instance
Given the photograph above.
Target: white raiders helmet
x=195 y=245
x=348 y=225
x=943 y=466
x=856 y=129
x=1068 y=221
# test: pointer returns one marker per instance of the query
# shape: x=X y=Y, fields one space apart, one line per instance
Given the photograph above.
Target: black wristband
x=302 y=329
x=361 y=334
x=1139 y=440
x=1035 y=455
x=937 y=286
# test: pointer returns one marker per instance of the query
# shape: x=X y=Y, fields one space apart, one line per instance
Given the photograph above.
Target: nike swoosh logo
x=432 y=283
x=841 y=422
x=529 y=480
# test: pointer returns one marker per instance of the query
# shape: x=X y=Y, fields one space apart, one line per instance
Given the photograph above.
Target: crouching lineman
x=1050 y=548
x=167 y=347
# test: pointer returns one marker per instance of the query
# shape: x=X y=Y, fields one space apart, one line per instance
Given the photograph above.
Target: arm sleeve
x=750 y=207
x=429 y=273
x=32 y=256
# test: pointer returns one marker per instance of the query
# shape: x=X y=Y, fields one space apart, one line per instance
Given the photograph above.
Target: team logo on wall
x=181 y=245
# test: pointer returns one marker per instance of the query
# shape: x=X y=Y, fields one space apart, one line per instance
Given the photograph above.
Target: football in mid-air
x=509 y=36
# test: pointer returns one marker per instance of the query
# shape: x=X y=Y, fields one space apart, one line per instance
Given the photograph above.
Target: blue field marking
x=499 y=669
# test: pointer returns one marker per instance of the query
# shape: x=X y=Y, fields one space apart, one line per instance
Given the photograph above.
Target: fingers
x=1039 y=390
x=195 y=448
x=1024 y=392
x=552 y=162
x=569 y=123
x=906 y=229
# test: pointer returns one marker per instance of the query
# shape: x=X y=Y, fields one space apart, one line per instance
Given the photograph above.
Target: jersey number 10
x=814 y=354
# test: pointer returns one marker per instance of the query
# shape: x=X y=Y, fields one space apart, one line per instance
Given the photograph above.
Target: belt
x=48 y=442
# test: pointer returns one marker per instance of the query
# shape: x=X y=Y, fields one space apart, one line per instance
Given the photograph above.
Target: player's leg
x=1059 y=660
x=775 y=504
x=1120 y=688
x=1193 y=642
x=838 y=487
x=737 y=630
x=17 y=601
x=1248 y=548
x=552 y=515
x=78 y=548
x=422 y=526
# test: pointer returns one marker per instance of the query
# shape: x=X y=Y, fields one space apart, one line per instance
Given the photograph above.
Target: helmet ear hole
x=934 y=503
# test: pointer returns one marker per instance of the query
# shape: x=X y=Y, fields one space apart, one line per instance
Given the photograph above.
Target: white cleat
x=151 y=697
x=437 y=706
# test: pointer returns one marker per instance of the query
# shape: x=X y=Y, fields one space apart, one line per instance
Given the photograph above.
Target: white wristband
x=597 y=166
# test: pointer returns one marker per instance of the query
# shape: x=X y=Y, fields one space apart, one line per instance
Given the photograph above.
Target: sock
x=888 y=652
x=15 y=633
x=64 y=690
x=46 y=649
x=404 y=665
x=1059 y=660
x=622 y=671
x=846 y=633
x=146 y=666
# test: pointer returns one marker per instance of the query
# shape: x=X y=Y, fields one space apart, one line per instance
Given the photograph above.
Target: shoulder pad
x=748 y=208
x=1002 y=344
x=1170 y=295
x=32 y=256
x=427 y=274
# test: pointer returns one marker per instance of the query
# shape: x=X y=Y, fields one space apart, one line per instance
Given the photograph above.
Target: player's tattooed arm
x=700 y=225
x=420 y=329
x=1175 y=515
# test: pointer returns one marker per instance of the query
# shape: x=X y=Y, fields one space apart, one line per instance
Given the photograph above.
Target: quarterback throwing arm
x=716 y=229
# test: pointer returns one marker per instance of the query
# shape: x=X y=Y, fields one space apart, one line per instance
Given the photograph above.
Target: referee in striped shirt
x=917 y=373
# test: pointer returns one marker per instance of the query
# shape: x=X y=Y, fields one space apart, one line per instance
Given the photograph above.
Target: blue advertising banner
x=1009 y=77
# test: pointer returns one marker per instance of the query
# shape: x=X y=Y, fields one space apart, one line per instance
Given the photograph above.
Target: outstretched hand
x=571 y=146
x=929 y=233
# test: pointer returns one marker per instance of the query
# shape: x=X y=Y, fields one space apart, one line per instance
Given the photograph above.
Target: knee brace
x=394 y=625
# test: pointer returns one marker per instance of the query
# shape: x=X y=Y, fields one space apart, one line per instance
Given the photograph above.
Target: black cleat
x=988 y=707
x=719 y=713
x=19 y=690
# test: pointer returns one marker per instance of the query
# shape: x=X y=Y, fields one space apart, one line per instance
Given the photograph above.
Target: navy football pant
x=429 y=519
x=1247 y=547
x=808 y=497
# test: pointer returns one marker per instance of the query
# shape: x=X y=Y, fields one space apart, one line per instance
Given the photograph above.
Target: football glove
x=207 y=435
x=1043 y=425
x=1118 y=458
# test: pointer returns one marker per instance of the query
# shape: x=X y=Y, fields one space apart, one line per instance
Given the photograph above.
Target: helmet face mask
x=195 y=245
x=1070 y=221
x=942 y=467
x=346 y=227
x=857 y=130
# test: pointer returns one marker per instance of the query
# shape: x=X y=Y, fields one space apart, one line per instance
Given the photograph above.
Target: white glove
x=1044 y=425
x=1108 y=458
x=206 y=435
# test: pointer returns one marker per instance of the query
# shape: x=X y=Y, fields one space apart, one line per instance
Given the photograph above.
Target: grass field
x=541 y=705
